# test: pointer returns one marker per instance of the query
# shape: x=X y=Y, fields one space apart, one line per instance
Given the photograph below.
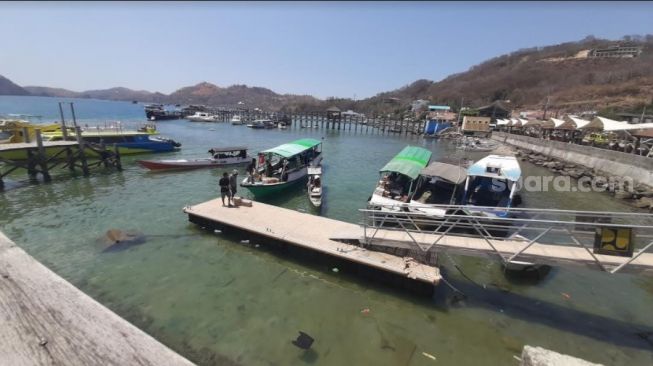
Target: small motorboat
x=220 y=156
x=202 y=117
x=314 y=185
x=236 y=120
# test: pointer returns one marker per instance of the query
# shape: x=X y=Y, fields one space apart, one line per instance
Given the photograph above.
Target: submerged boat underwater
x=282 y=166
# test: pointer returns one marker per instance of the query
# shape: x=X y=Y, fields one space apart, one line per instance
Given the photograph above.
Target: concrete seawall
x=610 y=163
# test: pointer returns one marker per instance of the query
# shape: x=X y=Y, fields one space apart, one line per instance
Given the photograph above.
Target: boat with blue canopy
x=282 y=166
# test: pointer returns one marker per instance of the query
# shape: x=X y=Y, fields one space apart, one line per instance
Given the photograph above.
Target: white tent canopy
x=579 y=123
x=609 y=125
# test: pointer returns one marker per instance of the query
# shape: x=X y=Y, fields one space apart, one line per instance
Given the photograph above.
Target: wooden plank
x=311 y=232
x=33 y=145
x=538 y=253
x=44 y=320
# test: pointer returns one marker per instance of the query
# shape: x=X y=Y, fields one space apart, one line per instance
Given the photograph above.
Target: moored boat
x=282 y=166
x=202 y=117
x=260 y=124
x=236 y=120
x=398 y=177
x=314 y=185
x=158 y=112
x=492 y=182
x=220 y=157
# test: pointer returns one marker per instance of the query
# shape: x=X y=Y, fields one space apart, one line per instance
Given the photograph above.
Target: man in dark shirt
x=224 y=188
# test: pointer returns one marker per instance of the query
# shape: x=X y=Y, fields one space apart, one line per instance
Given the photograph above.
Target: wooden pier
x=44 y=320
x=308 y=232
x=40 y=157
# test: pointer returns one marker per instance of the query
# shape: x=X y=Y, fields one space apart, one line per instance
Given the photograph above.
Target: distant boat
x=134 y=102
x=314 y=185
x=220 y=156
x=261 y=124
x=236 y=120
x=202 y=117
x=157 y=112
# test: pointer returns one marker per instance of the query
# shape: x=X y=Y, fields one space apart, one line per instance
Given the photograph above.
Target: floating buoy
x=335 y=270
x=429 y=355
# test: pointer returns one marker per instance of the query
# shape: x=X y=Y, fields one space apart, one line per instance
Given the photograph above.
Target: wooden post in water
x=117 y=162
x=72 y=110
x=25 y=135
x=42 y=160
x=82 y=155
x=31 y=163
x=63 y=123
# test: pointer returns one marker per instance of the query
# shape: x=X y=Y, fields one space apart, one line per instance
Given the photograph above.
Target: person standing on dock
x=224 y=188
x=233 y=185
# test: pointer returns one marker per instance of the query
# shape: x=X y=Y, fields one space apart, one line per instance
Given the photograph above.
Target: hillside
x=202 y=93
x=563 y=73
x=7 y=87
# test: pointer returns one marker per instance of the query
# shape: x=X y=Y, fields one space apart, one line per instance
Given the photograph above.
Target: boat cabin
x=440 y=183
x=492 y=181
x=398 y=177
x=288 y=158
x=228 y=152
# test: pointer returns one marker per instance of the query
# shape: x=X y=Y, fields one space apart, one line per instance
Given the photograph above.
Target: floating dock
x=308 y=232
x=44 y=320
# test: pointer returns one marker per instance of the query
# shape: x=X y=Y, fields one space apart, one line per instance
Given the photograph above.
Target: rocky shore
x=635 y=194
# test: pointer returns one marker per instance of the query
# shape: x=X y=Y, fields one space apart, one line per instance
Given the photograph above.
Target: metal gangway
x=519 y=237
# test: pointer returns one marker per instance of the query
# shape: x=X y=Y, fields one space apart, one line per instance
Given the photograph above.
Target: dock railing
x=602 y=235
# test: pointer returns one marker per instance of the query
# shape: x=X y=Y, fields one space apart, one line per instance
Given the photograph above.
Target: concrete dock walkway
x=44 y=320
x=311 y=232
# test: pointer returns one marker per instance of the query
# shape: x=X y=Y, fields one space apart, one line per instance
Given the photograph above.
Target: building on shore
x=495 y=110
x=476 y=126
x=616 y=51
x=636 y=117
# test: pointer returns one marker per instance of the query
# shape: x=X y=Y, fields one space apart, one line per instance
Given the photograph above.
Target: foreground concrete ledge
x=538 y=356
x=44 y=320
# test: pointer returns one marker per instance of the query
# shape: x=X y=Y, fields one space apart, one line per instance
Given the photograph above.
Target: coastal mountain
x=203 y=93
x=235 y=95
x=564 y=76
x=7 y=87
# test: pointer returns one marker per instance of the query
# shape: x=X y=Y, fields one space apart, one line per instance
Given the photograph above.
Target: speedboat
x=260 y=124
x=202 y=117
x=236 y=120
x=314 y=185
x=492 y=182
x=220 y=157
x=398 y=177
x=282 y=166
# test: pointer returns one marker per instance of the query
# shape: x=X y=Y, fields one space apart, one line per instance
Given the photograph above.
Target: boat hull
x=263 y=190
x=190 y=164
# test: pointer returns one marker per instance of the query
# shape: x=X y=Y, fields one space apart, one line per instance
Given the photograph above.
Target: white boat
x=396 y=185
x=439 y=183
x=236 y=120
x=282 y=166
x=202 y=117
x=314 y=185
x=492 y=182
x=220 y=156
x=282 y=126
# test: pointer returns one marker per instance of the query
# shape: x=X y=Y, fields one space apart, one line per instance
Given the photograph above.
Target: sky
x=343 y=49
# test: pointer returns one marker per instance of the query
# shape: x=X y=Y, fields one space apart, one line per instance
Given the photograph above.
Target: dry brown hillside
x=527 y=77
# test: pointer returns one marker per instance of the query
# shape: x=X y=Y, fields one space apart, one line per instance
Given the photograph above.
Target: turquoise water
x=219 y=301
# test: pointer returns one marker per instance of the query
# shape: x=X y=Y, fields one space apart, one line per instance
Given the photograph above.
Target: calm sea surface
x=218 y=301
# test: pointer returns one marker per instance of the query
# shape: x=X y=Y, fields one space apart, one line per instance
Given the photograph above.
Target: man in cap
x=233 y=185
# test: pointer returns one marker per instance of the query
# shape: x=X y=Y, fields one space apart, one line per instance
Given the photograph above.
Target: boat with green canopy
x=399 y=175
x=282 y=166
